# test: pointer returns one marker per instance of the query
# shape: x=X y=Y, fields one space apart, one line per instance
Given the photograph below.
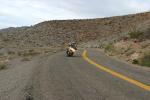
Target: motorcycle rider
x=73 y=45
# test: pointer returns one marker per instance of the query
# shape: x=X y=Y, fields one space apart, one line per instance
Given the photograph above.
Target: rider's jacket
x=73 y=46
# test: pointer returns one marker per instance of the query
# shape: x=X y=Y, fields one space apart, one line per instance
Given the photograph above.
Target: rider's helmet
x=73 y=45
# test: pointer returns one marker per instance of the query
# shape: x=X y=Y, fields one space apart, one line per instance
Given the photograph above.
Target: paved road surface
x=58 y=77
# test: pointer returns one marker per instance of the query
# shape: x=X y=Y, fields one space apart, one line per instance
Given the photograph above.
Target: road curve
x=114 y=73
x=73 y=78
x=58 y=77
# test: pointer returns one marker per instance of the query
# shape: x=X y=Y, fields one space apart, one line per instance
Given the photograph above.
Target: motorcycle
x=70 y=51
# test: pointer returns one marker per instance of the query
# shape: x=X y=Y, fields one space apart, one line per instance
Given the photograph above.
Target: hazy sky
x=29 y=12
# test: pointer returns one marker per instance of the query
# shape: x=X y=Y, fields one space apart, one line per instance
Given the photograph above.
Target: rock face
x=60 y=32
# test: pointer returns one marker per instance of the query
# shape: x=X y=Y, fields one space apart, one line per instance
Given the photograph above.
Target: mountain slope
x=60 y=32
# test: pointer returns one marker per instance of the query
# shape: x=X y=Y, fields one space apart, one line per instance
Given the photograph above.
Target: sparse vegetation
x=1 y=54
x=6 y=40
x=54 y=33
x=11 y=52
x=109 y=47
x=129 y=51
x=31 y=50
x=135 y=34
x=25 y=59
x=47 y=51
x=28 y=53
x=135 y=61
x=3 y=66
x=145 y=60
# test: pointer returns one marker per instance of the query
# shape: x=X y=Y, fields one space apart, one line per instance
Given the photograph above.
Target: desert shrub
x=109 y=47
x=5 y=40
x=19 y=53
x=135 y=61
x=145 y=60
x=25 y=59
x=3 y=66
x=31 y=50
x=1 y=54
x=28 y=53
x=135 y=34
x=11 y=52
x=129 y=51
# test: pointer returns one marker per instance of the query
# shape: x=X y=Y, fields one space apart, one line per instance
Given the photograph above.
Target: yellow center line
x=137 y=83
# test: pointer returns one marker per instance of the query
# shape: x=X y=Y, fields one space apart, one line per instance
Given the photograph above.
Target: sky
x=16 y=13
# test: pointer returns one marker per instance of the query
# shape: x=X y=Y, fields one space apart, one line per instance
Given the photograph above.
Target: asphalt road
x=58 y=77
x=73 y=78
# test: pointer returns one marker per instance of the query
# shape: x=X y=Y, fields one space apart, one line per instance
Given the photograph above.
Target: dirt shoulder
x=16 y=77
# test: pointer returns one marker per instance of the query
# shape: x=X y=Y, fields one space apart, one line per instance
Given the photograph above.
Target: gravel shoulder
x=17 y=77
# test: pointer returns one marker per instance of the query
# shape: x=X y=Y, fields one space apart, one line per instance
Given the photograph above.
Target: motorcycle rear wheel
x=69 y=54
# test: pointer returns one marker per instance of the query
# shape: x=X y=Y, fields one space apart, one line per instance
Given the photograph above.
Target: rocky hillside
x=60 y=32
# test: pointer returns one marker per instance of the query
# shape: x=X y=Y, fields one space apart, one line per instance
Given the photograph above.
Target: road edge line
x=130 y=80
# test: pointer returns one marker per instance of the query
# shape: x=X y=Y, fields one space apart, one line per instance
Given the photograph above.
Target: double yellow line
x=137 y=83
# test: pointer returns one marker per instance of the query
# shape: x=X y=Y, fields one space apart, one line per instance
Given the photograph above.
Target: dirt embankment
x=135 y=48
